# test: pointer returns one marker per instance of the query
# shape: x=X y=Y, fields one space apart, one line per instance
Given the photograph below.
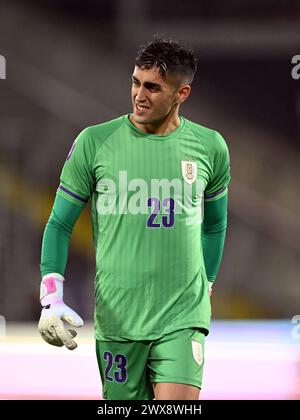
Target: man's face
x=152 y=97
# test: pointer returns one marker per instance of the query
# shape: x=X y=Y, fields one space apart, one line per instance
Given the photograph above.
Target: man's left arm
x=214 y=224
x=213 y=234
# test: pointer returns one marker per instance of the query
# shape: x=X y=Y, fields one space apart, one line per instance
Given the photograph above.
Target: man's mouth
x=141 y=108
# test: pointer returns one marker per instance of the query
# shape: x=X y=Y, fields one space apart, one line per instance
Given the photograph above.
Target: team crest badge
x=197 y=352
x=189 y=171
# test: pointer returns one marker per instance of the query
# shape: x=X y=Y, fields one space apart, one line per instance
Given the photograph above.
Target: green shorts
x=129 y=368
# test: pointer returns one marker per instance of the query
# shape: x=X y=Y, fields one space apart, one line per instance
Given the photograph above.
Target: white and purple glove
x=51 y=326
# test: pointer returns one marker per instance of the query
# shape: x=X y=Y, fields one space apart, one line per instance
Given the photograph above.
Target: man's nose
x=141 y=94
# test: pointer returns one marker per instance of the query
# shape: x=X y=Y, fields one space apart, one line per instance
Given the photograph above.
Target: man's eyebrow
x=147 y=84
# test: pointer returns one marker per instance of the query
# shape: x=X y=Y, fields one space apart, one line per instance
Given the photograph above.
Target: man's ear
x=183 y=93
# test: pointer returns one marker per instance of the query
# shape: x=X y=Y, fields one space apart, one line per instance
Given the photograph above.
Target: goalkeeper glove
x=51 y=326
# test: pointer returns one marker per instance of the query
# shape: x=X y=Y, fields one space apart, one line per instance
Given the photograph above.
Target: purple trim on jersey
x=215 y=193
x=71 y=151
x=72 y=194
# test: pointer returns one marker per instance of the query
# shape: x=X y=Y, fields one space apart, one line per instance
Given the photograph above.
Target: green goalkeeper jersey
x=147 y=196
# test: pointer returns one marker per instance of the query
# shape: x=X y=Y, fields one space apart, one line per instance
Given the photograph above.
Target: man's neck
x=163 y=127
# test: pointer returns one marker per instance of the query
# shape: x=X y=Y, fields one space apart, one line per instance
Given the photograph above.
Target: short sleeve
x=220 y=176
x=77 y=177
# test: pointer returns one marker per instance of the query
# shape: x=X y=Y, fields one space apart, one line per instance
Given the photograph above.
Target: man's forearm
x=213 y=235
x=57 y=235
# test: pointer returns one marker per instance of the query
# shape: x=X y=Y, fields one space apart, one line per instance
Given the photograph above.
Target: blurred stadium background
x=68 y=65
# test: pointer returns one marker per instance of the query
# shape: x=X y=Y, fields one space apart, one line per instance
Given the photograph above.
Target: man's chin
x=140 y=119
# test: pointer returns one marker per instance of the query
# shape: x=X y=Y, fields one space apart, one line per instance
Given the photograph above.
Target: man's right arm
x=75 y=189
x=54 y=256
x=57 y=235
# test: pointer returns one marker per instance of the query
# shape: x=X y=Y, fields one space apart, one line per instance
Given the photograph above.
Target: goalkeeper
x=158 y=185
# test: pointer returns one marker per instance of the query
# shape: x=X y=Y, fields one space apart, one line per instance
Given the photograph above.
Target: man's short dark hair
x=170 y=57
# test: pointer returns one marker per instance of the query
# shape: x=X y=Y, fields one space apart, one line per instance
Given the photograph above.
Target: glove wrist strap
x=51 y=290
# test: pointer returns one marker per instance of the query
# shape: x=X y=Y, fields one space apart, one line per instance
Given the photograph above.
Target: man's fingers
x=53 y=331
x=73 y=333
x=48 y=333
x=65 y=336
x=51 y=337
x=51 y=340
x=72 y=318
